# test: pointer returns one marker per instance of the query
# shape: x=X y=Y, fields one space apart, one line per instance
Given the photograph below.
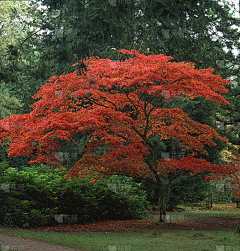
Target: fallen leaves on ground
x=224 y=223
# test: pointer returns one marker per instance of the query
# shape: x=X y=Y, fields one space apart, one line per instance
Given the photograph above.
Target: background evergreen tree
x=55 y=37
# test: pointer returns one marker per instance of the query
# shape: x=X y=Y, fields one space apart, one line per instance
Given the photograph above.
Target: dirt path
x=23 y=244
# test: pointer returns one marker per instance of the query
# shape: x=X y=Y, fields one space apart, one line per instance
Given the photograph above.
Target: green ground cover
x=215 y=233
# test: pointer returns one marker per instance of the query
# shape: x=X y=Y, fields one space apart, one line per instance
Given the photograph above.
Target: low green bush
x=111 y=198
x=39 y=196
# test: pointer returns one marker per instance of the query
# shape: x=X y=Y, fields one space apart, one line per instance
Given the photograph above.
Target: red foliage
x=113 y=103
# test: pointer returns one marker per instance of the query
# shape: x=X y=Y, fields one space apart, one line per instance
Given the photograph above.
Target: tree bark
x=238 y=204
x=209 y=203
x=238 y=229
x=162 y=209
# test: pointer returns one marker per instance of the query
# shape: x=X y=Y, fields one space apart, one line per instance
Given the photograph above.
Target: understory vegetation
x=40 y=196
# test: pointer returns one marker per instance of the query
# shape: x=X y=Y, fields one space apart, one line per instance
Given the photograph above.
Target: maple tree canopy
x=119 y=105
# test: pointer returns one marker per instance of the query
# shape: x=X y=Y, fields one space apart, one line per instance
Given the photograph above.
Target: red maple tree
x=120 y=106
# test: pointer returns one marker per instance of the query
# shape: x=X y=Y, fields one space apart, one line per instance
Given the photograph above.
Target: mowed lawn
x=198 y=229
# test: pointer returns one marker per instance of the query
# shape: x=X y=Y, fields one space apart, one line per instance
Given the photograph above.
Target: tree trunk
x=238 y=229
x=162 y=208
x=238 y=204
x=209 y=203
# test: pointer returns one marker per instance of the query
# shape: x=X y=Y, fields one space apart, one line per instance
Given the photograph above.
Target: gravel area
x=8 y=242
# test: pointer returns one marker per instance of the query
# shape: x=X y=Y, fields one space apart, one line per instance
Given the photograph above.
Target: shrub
x=100 y=200
x=27 y=196
x=39 y=196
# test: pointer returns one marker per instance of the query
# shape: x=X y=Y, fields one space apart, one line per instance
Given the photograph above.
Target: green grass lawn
x=6 y=249
x=225 y=210
x=142 y=240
